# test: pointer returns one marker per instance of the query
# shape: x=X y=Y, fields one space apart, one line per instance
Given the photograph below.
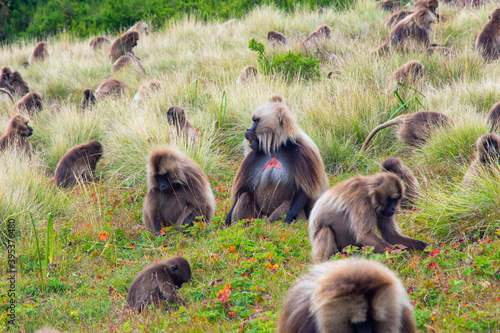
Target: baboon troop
x=124 y=45
x=40 y=53
x=487 y=156
x=16 y=136
x=488 y=40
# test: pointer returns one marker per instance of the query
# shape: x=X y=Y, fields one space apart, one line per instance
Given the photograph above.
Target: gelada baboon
x=122 y=62
x=385 y=5
x=413 y=31
x=158 y=283
x=113 y=88
x=487 y=156
x=140 y=27
x=247 y=74
x=40 y=53
x=146 y=90
x=414 y=129
x=88 y=99
x=276 y=38
x=410 y=74
x=410 y=183
x=178 y=191
x=124 y=45
x=99 y=43
x=18 y=86
x=5 y=73
x=321 y=34
x=32 y=103
x=350 y=212
x=398 y=16
x=283 y=173
x=16 y=136
x=180 y=126
x=493 y=117
x=347 y=296
x=488 y=41
x=78 y=164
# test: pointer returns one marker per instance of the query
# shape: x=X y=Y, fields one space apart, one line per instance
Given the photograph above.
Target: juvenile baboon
x=350 y=212
x=178 y=191
x=113 y=88
x=121 y=63
x=247 y=74
x=158 y=283
x=414 y=129
x=99 y=43
x=347 y=296
x=488 y=41
x=321 y=34
x=410 y=74
x=5 y=74
x=124 y=45
x=18 y=86
x=140 y=27
x=283 y=173
x=493 y=117
x=16 y=136
x=276 y=38
x=410 y=183
x=78 y=164
x=40 y=53
x=145 y=90
x=413 y=31
x=88 y=100
x=487 y=155
x=32 y=103
x=180 y=126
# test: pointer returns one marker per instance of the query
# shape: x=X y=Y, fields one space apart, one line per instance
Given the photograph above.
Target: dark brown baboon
x=385 y=5
x=99 y=43
x=414 y=129
x=410 y=74
x=283 y=173
x=124 y=45
x=276 y=38
x=413 y=31
x=16 y=136
x=488 y=41
x=321 y=34
x=140 y=27
x=113 y=88
x=122 y=62
x=446 y=51
x=18 y=86
x=145 y=90
x=158 y=283
x=5 y=74
x=40 y=53
x=247 y=74
x=410 y=183
x=348 y=296
x=487 y=156
x=178 y=191
x=88 y=100
x=350 y=212
x=32 y=103
x=493 y=117
x=180 y=126
x=78 y=164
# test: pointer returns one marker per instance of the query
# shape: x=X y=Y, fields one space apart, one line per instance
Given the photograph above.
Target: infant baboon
x=488 y=41
x=78 y=164
x=410 y=74
x=32 y=103
x=413 y=31
x=180 y=126
x=487 y=156
x=276 y=38
x=122 y=62
x=18 y=86
x=321 y=34
x=140 y=27
x=410 y=183
x=124 y=45
x=88 y=100
x=113 y=88
x=493 y=117
x=158 y=283
x=40 y=53
x=248 y=73
x=146 y=90
x=99 y=43
x=15 y=137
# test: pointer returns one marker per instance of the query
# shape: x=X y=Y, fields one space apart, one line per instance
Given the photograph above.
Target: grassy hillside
x=100 y=244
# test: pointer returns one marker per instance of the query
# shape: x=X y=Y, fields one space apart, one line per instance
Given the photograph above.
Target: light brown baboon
x=281 y=99
x=347 y=296
x=410 y=183
x=350 y=212
x=410 y=74
x=78 y=164
x=414 y=129
x=180 y=126
x=124 y=45
x=16 y=136
x=32 y=103
x=5 y=74
x=488 y=41
x=446 y=51
x=158 y=283
x=113 y=88
x=178 y=191
x=320 y=35
x=493 y=117
x=123 y=61
x=40 y=53
x=276 y=38
x=487 y=156
x=18 y=86
x=283 y=173
x=140 y=27
x=145 y=90
x=413 y=31
x=99 y=43
x=88 y=100
x=247 y=74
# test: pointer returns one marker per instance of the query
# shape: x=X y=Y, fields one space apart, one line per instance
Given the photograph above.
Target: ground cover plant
x=79 y=249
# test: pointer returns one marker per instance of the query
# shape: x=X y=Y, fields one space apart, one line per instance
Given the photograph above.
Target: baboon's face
x=37 y=101
x=20 y=125
x=94 y=148
x=180 y=270
x=251 y=134
x=387 y=195
x=167 y=174
x=495 y=15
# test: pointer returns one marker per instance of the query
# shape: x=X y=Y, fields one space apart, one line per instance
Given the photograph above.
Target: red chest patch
x=273 y=163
